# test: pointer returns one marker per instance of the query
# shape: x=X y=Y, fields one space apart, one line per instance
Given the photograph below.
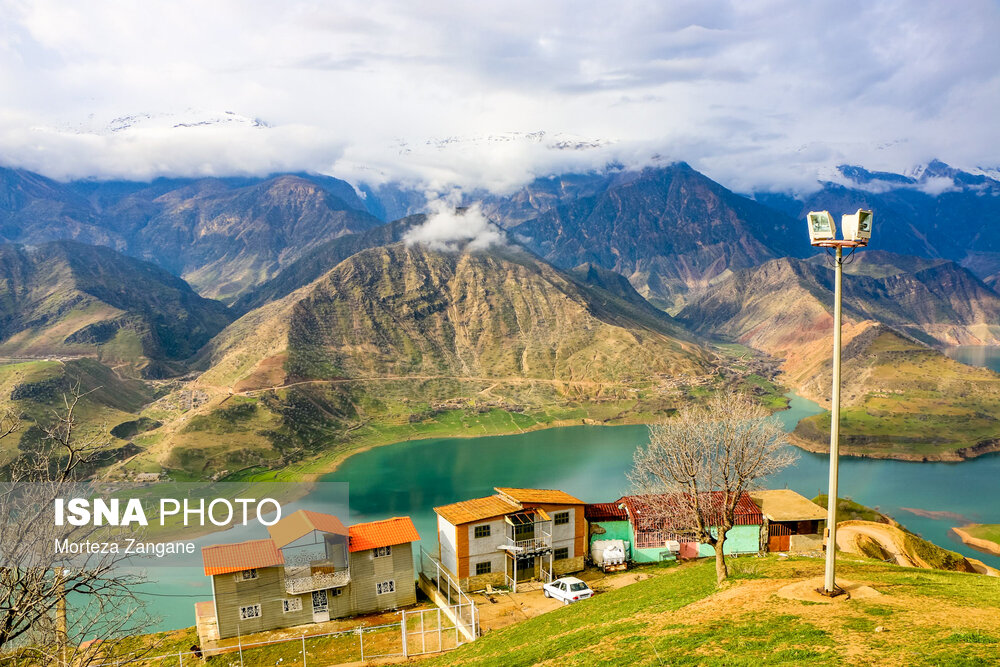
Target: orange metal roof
x=476 y=509
x=303 y=522
x=226 y=558
x=545 y=496
x=387 y=533
x=605 y=512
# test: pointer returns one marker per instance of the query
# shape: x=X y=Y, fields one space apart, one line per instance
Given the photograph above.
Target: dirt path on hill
x=886 y=536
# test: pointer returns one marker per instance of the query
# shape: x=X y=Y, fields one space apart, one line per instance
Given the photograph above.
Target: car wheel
x=546 y=593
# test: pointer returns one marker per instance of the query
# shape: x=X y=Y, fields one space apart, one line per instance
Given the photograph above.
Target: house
x=650 y=540
x=792 y=522
x=512 y=536
x=310 y=570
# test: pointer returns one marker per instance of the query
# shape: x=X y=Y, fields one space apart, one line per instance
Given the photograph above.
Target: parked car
x=567 y=589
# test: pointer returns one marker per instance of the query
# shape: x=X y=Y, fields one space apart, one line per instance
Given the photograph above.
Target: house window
x=336 y=592
x=561 y=553
x=482 y=531
x=291 y=604
x=384 y=587
x=249 y=611
x=247 y=575
x=383 y=551
x=560 y=518
x=484 y=567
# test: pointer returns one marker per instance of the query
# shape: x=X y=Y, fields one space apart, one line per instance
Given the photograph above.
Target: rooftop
x=747 y=511
x=387 y=533
x=476 y=509
x=543 y=496
x=226 y=558
x=605 y=512
x=787 y=505
x=303 y=522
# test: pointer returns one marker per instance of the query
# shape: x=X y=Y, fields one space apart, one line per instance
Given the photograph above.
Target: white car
x=567 y=589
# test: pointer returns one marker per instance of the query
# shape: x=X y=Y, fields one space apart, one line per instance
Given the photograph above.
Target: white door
x=321 y=607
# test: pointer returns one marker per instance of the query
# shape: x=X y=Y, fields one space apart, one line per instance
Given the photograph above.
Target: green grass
x=848 y=510
x=984 y=531
x=652 y=623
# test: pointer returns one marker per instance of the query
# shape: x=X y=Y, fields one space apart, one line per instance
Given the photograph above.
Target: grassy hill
x=69 y=299
x=677 y=617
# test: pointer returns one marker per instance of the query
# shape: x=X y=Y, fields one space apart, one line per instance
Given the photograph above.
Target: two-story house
x=311 y=569
x=511 y=537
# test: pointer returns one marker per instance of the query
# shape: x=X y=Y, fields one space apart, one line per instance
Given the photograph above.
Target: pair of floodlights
x=823 y=230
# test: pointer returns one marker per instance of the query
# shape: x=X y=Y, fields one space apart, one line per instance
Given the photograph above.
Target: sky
x=763 y=95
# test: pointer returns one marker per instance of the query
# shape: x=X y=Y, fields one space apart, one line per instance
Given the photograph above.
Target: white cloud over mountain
x=455 y=94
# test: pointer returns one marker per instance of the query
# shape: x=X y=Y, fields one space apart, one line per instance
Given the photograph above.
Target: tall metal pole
x=829 y=583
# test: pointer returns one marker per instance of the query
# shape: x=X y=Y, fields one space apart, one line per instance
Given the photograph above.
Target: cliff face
x=670 y=231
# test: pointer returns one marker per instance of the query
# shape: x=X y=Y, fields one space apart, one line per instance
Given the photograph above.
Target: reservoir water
x=411 y=478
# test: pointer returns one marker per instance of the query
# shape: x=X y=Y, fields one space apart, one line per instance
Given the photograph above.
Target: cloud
x=449 y=229
x=756 y=95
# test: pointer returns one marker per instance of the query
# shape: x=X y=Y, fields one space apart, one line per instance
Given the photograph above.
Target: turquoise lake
x=411 y=478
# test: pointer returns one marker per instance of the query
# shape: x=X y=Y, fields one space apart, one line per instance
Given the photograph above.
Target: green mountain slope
x=67 y=298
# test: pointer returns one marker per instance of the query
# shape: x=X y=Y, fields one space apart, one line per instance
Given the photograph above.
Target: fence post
x=402 y=625
x=303 y=649
x=180 y=659
x=361 y=639
x=440 y=644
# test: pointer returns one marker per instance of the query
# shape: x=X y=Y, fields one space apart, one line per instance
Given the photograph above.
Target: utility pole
x=829 y=580
x=823 y=233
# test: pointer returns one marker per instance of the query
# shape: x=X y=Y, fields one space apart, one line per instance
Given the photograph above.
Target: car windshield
x=578 y=587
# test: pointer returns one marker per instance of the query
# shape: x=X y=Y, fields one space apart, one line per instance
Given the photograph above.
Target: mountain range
x=310 y=320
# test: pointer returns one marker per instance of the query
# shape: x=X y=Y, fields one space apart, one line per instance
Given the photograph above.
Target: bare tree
x=54 y=608
x=699 y=464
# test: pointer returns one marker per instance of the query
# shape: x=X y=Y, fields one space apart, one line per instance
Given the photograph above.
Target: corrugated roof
x=226 y=558
x=387 y=533
x=303 y=522
x=544 y=496
x=787 y=505
x=476 y=509
x=605 y=512
x=747 y=511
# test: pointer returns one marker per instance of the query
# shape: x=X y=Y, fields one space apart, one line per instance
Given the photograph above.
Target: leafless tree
x=698 y=465
x=55 y=609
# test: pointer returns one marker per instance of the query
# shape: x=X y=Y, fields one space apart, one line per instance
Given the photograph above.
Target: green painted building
x=652 y=542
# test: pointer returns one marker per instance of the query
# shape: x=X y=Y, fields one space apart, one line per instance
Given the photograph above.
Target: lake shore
x=986 y=546
x=950 y=456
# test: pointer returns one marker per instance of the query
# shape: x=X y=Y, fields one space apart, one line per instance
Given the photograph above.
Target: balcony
x=532 y=545
x=297 y=583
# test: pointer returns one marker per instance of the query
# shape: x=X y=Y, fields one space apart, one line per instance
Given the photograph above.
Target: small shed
x=792 y=522
x=607 y=521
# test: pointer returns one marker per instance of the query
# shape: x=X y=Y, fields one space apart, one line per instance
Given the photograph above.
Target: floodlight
x=857 y=227
x=821 y=226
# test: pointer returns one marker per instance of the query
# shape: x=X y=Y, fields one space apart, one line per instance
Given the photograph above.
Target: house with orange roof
x=311 y=569
x=512 y=537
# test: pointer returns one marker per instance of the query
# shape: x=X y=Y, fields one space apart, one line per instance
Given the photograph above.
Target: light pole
x=822 y=233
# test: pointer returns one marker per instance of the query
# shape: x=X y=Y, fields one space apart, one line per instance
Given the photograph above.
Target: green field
x=984 y=531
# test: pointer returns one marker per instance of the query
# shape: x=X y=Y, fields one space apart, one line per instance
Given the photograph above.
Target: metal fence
x=419 y=632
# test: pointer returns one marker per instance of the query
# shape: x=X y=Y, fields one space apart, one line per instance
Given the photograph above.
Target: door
x=778 y=543
x=321 y=607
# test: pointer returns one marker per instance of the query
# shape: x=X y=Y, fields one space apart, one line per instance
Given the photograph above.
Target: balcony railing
x=296 y=585
x=530 y=545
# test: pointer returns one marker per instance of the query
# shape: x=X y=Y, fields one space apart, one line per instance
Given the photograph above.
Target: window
x=560 y=518
x=482 y=531
x=250 y=611
x=385 y=587
x=247 y=575
x=335 y=592
x=561 y=553
x=291 y=604
x=383 y=551
x=484 y=568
